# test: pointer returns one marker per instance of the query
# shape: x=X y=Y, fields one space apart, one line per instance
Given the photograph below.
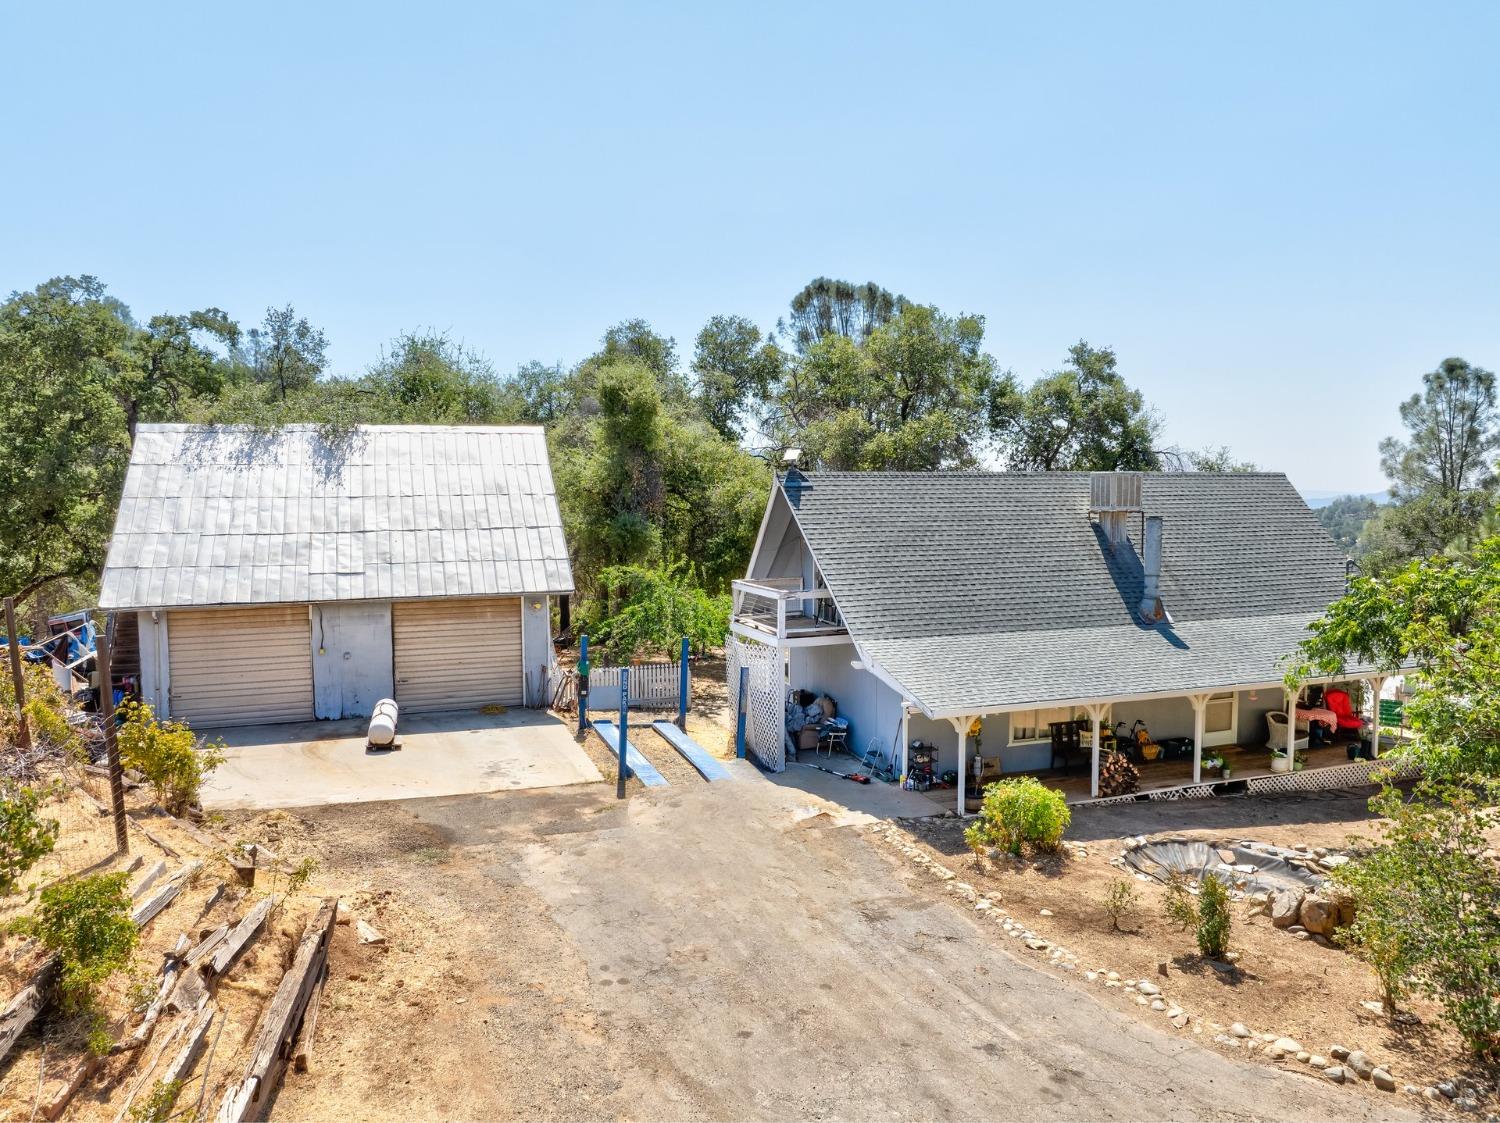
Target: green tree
x=62 y=348
x=427 y=378
x=1212 y=458
x=286 y=353
x=827 y=307
x=650 y=610
x=1443 y=473
x=1081 y=418
x=1345 y=519
x=917 y=394
x=734 y=367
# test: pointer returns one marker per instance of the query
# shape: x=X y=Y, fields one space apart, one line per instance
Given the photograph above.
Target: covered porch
x=1243 y=728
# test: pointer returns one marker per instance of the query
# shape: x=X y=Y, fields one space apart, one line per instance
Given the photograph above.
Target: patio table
x=1318 y=713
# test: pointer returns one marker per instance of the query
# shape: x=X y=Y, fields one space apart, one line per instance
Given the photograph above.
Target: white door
x=1221 y=719
x=458 y=653
x=240 y=666
x=351 y=657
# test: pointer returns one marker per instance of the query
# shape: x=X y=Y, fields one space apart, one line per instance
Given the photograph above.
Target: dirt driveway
x=703 y=954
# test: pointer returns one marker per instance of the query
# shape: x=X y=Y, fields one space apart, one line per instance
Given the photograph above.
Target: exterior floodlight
x=791 y=456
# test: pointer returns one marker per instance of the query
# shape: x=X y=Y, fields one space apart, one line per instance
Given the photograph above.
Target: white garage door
x=240 y=666
x=457 y=654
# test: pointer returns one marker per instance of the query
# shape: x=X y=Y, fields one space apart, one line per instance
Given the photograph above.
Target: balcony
x=779 y=610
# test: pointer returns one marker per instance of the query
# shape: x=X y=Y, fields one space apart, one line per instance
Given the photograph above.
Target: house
x=972 y=610
x=279 y=576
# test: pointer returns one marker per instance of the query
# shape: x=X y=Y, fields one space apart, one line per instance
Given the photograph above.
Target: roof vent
x=1114 y=497
x=1151 y=609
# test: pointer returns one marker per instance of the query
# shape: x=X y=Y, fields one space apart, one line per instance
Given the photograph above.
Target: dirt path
x=697 y=953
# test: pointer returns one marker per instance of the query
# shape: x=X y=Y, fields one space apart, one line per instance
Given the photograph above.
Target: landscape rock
x=1317 y=1061
x=1382 y=1080
x=1338 y=1052
x=1336 y=1074
x=1434 y=1095
x=1287 y=1045
x=1319 y=915
x=1239 y=1030
x=1360 y=1064
x=1148 y=988
x=368 y=933
x=1285 y=906
x=1179 y=1020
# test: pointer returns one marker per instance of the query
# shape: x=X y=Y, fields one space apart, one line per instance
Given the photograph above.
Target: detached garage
x=281 y=577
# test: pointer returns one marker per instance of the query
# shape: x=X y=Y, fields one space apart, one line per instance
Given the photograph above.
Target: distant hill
x=1316 y=499
x=1345 y=517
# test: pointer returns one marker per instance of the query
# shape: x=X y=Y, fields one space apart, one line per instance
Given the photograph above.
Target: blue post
x=739 y=705
x=624 y=730
x=682 y=687
x=583 y=684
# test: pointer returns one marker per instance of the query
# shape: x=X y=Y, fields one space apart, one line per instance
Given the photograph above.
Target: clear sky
x=1279 y=214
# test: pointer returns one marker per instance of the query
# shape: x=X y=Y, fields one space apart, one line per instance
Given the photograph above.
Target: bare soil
x=1282 y=985
x=55 y=1045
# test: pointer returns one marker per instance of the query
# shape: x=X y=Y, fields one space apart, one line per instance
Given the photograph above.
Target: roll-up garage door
x=240 y=666
x=457 y=654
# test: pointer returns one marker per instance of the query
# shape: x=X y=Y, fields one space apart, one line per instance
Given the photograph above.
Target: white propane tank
x=383 y=723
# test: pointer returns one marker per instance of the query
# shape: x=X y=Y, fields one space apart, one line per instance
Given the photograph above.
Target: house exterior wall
x=1164 y=717
x=155 y=673
x=1251 y=729
x=872 y=707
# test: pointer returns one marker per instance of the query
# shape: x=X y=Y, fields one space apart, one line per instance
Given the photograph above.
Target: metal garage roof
x=235 y=515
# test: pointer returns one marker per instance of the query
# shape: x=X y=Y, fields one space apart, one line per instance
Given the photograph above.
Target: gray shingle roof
x=986 y=590
x=230 y=515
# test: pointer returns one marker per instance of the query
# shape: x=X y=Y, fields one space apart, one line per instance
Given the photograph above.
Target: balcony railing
x=781 y=608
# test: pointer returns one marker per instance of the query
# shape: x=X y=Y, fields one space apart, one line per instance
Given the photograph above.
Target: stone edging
x=1338 y=1066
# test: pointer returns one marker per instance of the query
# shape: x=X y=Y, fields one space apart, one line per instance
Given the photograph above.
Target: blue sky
x=1279 y=214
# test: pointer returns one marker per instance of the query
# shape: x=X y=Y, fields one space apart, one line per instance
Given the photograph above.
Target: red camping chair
x=1338 y=701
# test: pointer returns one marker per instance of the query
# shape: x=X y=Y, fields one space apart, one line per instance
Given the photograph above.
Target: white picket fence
x=652 y=686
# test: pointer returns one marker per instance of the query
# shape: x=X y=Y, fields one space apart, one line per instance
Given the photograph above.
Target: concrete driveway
x=459 y=753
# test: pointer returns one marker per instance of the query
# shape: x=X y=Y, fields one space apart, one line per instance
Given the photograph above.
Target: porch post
x=1096 y=715
x=905 y=738
x=961 y=724
x=1375 y=683
x=1200 y=722
x=1291 y=730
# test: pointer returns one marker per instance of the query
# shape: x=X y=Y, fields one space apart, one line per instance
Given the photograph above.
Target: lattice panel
x=1354 y=774
x=765 y=724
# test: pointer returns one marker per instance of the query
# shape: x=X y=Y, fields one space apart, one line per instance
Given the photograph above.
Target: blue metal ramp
x=639 y=766
x=696 y=755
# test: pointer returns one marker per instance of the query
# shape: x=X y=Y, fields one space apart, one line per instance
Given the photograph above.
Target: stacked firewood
x=1117 y=776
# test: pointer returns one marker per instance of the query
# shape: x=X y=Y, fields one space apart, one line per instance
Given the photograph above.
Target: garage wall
x=536 y=646
x=457 y=653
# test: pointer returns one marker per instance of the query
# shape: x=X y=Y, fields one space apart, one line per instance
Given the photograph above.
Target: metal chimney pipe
x=1151 y=606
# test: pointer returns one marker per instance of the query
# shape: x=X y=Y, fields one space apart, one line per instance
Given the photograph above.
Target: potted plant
x=1213 y=764
x=1280 y=763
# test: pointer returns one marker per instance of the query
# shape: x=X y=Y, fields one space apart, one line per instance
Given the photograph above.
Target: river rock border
x=1339 y=1065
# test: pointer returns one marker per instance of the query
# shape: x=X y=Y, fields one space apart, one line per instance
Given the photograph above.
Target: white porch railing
x=782 y=608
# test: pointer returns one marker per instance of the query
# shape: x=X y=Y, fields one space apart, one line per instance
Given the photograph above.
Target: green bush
x=1207 y=917
x=1120 y=901
x=86 y=921
x=25 y=837
x=1018 y=813
x=46 y=712
x=167 y=754
x=647 y=612
x=1427 y=907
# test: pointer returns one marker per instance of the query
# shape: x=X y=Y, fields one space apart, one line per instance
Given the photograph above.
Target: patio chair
x=1067 y=744
x=1340 y=703
x=1276 y=732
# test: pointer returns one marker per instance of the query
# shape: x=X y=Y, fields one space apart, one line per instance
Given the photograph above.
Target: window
x=1031 y=725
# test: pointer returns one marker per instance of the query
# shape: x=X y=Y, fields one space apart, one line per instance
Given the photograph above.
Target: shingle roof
x=985 y=590
x=231 y=515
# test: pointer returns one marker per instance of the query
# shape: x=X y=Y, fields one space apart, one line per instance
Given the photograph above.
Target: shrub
x=1427 y=908
x=1120 y=901
x=86 y=921
x=1207 y=917
x=648 y=611
x=1018 y=813
x=157 y=1107
x=25 y=837
x=46 y=710
x=167 y=754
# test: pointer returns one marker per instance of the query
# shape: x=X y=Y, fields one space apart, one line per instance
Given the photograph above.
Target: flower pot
x=1280 y=764
x=1225 y=772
